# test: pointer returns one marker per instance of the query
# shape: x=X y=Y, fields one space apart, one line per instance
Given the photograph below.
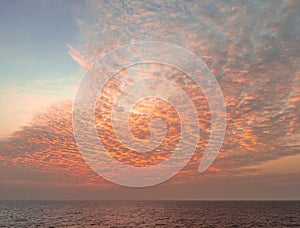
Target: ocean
x=149 y=213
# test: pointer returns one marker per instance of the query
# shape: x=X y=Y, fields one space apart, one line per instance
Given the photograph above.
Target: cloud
x=249 y=48
x=79 y=58
x=47 y=149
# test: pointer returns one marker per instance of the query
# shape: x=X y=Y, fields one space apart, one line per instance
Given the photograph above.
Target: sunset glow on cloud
x=250 y=47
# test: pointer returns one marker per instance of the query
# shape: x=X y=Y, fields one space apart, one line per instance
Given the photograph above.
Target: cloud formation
x=252 y=49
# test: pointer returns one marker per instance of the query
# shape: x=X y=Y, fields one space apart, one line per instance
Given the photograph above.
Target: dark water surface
x=150 y=213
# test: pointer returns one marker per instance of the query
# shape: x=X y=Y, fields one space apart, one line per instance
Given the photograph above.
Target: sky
x=252 y=48
x=35 y=66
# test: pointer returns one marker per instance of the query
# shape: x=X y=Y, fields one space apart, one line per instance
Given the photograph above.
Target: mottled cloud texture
x=252 y=48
